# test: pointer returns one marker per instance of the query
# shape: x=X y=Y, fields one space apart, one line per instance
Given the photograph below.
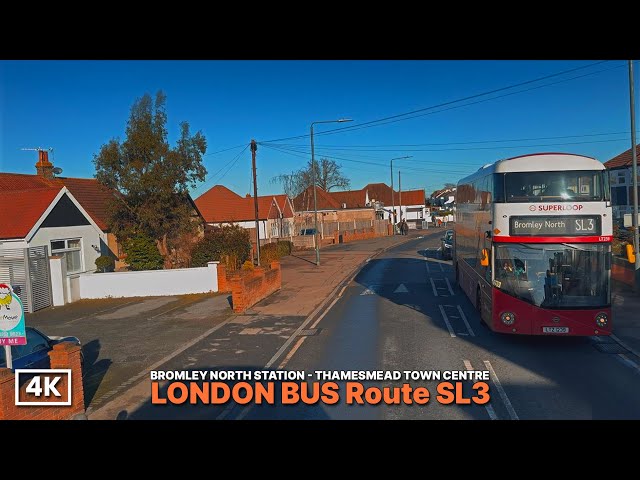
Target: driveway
x=121 y=338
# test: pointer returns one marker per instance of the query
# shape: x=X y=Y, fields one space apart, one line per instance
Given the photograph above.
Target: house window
x=70 y=249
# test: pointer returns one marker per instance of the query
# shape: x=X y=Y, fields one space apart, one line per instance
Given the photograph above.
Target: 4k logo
x=43 y=387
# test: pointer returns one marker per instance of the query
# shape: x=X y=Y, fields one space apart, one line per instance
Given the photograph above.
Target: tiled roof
x=22 y=209
x=381 y=192
x=622 y=160
x=304 y=201
x=93 y=196
x=413 y=197
x=351 y=198
x=356 y=198
x=219 y=204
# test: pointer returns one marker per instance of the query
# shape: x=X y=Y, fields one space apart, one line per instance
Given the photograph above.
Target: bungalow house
x=221 y=206
x=51 y=217
x=621 y=181
x=94 y=197
x=374 y=201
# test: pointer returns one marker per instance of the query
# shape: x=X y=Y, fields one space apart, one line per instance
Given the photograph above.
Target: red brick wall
x=223 y=283
x=352 y=236
x=63 y=355
x=250 y=288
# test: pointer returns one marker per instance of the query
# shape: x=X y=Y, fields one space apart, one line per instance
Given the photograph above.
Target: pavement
x=251 y=339
x=626 y=316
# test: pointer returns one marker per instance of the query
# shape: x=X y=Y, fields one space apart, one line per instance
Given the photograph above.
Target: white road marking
x=449 y=286
x=291 y=353
x=315 y=324
x=628 y=362
x=441 y=269
x=466 y=322
x=501 y=392
x=489 y=408
x=368 y=292
x=446 y=321
x=624 y=345
x=433 y=285
x=426 y=264
x=401 y=289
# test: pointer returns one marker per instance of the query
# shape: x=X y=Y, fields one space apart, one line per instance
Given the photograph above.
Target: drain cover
x=309 y=332
x=610 y=348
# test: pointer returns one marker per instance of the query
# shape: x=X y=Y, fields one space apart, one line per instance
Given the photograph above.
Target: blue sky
x=76 y=106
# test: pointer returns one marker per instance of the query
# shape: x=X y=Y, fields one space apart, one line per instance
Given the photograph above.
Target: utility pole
x=254 y=148
x=634 y=174
x=393 y=201
x=400 y=195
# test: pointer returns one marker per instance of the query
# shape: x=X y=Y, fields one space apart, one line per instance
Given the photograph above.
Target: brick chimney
x=44 y=167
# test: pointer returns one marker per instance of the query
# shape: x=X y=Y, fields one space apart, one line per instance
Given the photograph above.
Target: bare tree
x=328 y=176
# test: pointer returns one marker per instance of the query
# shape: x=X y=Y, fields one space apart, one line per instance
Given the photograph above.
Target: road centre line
x=446 y=321
x=489 y=408
x=501 y=392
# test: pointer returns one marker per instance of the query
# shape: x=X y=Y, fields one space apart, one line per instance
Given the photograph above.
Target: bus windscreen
x=557 y=186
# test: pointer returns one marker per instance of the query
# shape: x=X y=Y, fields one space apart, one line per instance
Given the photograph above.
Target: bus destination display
x=553 y=226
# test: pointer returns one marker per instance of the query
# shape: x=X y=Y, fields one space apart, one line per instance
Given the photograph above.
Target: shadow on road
x=94 y=369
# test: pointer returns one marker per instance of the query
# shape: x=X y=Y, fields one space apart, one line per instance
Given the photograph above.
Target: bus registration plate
x=555 y=329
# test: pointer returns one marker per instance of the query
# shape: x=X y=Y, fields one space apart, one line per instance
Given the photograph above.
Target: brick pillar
x=67 y=355
x=275 y=265
x=236 y=283
x=7 y=395
x=223 y=284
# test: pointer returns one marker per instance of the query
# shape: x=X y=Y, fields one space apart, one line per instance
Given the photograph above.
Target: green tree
x=142 y=253
x=151 y=179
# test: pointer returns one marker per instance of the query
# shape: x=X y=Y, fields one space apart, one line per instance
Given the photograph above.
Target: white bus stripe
x=433 y=285
x=489 y=408
x=446 y=321
x=449 y=286
x=501 y=392
x=466 y=322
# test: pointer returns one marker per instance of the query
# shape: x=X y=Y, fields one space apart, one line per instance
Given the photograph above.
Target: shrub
x=105 y=263
x=229 y=245
x=248 y=265
x=142 y=253
x=274 y=251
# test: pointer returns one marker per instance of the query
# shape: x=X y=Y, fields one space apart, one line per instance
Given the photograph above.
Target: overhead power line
x=412 y=113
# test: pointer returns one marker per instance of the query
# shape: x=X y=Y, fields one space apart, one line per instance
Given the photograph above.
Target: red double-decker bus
x=532 y=244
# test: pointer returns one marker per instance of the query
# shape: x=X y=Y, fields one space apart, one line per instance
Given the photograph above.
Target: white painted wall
x=58 y=269
x=10 y=244
x=87 y=233
x=148 y=283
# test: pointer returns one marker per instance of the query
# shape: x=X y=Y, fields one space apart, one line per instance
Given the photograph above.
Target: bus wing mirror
x=631 y=255
x=484 y=261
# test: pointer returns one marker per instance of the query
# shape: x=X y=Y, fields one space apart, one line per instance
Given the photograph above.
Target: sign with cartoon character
x=12 y=328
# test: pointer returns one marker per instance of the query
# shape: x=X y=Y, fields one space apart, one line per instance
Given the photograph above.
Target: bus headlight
x=602 y=319
x=508 y=318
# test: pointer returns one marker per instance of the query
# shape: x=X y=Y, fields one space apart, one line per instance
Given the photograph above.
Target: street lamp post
x=313 y=179
x=393 y=201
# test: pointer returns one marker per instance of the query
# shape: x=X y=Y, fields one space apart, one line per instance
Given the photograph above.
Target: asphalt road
x=403 y=311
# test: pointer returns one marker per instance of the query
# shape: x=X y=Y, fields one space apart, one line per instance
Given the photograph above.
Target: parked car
x=446 y=244
x=308 y=231
x=35 y=353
